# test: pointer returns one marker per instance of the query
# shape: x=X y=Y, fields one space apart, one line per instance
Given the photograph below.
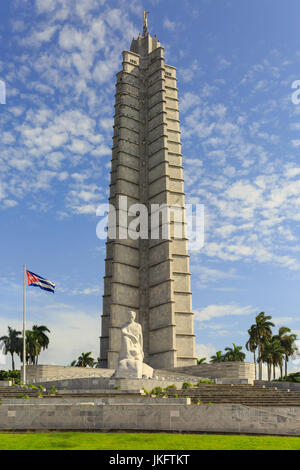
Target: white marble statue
x=131 y=355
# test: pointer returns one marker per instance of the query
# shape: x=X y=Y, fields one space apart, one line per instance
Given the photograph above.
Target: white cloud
x=218 y=311
x=101 y=150
x=292 y=172
x=43 y=35
x=282 y=321
x=104 y=70
x=223 y=63
x=170 y=25
x=189 y=100
x=79 y=146
x=207 y=274
x=188 y=73
x=47 y=5
x=8 y=203
x=85 y=198
x=205 y=350
x=73 y=331
x=7 y=138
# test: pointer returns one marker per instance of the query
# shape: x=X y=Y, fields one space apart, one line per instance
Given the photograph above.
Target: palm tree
x=262 y=331
x=41 y=338
x=201 y=360
x=73 y=363
x=288 y=345
x=272 y=354
x=85 y=360
x=235 y=353
x=277 y=354
x=267 y=357
x=218 y=357
x=11 y=344
x=281 y=333
x=36 y=341
x=252 y=344
x=33 y=348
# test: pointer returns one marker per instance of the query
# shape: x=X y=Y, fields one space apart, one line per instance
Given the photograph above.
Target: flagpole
x=24 y=329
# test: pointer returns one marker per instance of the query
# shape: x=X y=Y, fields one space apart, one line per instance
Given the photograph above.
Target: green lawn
x=143 y=441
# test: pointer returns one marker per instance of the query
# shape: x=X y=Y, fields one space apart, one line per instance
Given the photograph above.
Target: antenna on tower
x=145 y=23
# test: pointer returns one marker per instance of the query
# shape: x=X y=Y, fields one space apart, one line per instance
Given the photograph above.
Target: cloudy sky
x=236 y=64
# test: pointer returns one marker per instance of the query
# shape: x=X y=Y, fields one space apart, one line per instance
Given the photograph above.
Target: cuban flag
x=38 y=281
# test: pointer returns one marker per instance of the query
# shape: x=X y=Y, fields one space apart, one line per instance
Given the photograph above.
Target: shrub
x=186 y=385
x=204 y=381
x=13 y=375
x=33 y=387
x=158 y=391
x=292 y=377
x=170 y=387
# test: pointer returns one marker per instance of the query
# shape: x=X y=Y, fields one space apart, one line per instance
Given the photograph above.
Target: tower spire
x=145 y=23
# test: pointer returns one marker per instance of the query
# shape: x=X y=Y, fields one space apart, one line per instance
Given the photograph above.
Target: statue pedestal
x=131 y=369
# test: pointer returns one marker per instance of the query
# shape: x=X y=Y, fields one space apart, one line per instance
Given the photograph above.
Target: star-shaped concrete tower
x=149 y=276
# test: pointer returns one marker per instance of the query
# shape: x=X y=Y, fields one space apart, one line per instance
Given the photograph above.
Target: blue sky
x=236 y=63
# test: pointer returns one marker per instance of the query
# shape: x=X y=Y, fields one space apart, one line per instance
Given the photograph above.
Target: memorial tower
x=149 y=276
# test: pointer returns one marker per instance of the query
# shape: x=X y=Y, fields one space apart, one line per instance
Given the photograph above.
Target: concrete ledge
x=89 y=384
x=78 y=401
x=292 y=386
x=38 y=373
x=223 y=370
x=228 y=381
x=5 y=383
x=152 y=417
x=228 y=372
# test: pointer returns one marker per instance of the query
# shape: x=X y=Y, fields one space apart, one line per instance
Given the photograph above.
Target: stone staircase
x=207 y=394
x=22 y=393
x=247 y=395
x=17 y=392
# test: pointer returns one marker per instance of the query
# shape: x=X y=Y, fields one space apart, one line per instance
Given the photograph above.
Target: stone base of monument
x=123 y=384
x=129 y=369
x=234 y=372
x=147 y=415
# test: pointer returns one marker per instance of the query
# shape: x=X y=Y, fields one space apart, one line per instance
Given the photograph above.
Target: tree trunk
x=259 y=374
x=12 y=361
x=254 y=362
x=269 y=372
x=259 y=365
x=286 y=361
x=274 y=372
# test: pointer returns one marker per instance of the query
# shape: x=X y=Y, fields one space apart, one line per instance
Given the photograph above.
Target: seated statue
x=131 y=355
